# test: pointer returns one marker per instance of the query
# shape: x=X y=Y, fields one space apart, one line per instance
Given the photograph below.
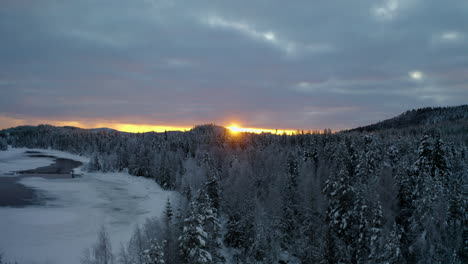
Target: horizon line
x=142 y=128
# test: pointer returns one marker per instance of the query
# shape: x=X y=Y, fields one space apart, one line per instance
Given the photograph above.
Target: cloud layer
x=305 y=65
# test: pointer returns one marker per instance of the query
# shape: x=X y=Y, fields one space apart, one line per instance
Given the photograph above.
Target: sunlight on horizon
x=7 y=122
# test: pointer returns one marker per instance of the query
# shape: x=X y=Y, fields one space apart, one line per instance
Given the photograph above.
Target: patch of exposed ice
x=58 y=231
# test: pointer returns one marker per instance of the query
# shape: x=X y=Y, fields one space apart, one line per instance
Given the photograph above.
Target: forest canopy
x=381 y=194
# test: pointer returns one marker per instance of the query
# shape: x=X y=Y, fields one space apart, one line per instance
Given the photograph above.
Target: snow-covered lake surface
x=58 y=231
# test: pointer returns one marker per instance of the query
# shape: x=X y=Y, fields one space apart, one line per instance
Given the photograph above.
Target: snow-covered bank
x=59 y=231
x=15 y=159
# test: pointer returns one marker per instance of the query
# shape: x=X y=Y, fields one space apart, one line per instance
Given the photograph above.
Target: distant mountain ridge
x=427 y=116
x=455 y=117
x=103 y=129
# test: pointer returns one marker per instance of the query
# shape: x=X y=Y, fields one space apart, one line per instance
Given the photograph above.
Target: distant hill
x=23 y=129
x=208 y=129
x=454 y=119
x=106 y=129
x=423 y=117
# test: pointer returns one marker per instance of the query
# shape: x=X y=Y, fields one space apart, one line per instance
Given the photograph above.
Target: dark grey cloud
x=307 y=64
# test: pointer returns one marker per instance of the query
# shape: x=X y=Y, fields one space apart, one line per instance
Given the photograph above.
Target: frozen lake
x=72 y=209
x=15 y=194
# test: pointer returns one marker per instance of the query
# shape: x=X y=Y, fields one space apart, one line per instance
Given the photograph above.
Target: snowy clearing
x=59 y=231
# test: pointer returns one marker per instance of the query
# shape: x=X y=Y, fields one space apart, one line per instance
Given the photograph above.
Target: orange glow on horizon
x=7 y=122
x=135 y=128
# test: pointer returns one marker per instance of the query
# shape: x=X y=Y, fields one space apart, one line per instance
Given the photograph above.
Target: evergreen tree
x=392 y=253
x=331 y=255
x=428 y=222
x=375 y=232
x=239 y=230
x=188 y=192
x=291 y=219
x=440 y=166
x=201 y=241
x=368 y=160
x=211 y=226
x=457 y=219
x=3 y=146
x=212 y=189
x=212 y=183
x=340 y=213
x=170 y=245
x=193 y=241
x=168 y=213
x=165 y=174
x=155 y=254
x=362 y=217
x=94 y=164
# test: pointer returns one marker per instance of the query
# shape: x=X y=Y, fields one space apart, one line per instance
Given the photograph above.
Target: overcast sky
x=271 y=64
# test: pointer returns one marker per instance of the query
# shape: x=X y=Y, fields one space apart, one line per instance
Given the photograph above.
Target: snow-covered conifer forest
x=394 y=192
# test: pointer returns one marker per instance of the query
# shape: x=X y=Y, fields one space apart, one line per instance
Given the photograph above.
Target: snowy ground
x=57 y=232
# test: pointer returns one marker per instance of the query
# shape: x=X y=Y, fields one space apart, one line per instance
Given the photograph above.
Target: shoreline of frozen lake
x=58 y=231
x=15 y=194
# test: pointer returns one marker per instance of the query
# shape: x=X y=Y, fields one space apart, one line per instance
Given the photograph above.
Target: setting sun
x=133 y=128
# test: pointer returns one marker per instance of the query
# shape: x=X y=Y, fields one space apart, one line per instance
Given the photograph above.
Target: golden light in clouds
x=135 y=128
x=7 y=122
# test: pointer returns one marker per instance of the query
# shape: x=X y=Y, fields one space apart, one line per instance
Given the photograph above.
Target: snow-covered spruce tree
x=392 y=252
x=367 y=212
x=212 y=182
x=375 y=232
x=367 y=217
x=163 y=175
x=200 y=241
x=212 y=188
x=170 y=247
x=155 y=254
x=211 y=226
x=290 y=221
x=3 y=144
x=168 y=213
x=409 y=190
x=331 y=254
x=94 y=164
x=266 y=243
x=440 y=166
x=368 y=159
x=406 y=211
x=362 y=218
x=428 y=223
x=187 y=192
x=340 y=213
x=239 y=228
x=453 y=183
x=457 y=219
x=193 y=241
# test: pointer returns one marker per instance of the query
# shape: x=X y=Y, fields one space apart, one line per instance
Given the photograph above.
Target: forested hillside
x=454 y=117
x=395 y=195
